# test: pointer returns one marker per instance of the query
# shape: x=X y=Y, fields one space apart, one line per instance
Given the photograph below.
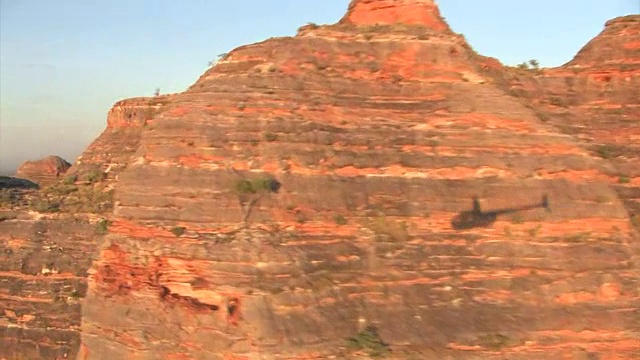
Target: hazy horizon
x=63 y=64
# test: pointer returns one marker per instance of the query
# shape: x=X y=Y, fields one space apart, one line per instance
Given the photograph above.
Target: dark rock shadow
x=8 y=182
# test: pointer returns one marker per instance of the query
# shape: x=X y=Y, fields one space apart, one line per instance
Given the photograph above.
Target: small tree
x=369 y=340
x=250 y=191
x=534 y=64
x=156 y=92
x=219 y=57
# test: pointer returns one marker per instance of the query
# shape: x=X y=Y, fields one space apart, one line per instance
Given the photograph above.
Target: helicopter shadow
x=477 y=218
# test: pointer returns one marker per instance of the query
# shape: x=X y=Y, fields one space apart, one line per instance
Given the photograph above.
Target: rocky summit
x=371 y=188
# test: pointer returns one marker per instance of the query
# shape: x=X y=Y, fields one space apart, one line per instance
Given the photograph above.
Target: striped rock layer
x=594 y=99
x=380 y=129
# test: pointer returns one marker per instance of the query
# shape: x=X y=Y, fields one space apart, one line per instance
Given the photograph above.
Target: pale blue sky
x=64 y=63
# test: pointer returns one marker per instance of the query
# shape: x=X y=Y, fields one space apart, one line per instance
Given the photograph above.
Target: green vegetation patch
x=606 y=151
x=624 y=180
x=69 y=179
x=102 y=226
x=270 y=137
x=178 y=230
x=254 y=186
x=95 y=175
x=369 y=341
x=340 y=220
x=46 y=205
x=89 y=199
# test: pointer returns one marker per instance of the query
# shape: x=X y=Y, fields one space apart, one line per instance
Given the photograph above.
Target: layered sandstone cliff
x=379 y=129
x=126 y=120
x=300 y=201
x=48 y=237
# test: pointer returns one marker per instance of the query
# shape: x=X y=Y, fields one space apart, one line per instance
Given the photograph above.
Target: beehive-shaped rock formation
x=44 y=171
x=380 y=130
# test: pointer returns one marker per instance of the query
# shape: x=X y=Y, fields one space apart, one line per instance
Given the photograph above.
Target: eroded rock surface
x=43 y=272
x=48 y=238
x=379 y=135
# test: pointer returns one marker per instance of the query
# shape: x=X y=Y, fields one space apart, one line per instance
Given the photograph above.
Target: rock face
x=111 y=151
x=312 y=197
x=606 y=110
x=135 y=112
x=379 y=136
x=43 y=272
x=614 y=50
x=48 y=238
x=43 y=171
x=594 y=98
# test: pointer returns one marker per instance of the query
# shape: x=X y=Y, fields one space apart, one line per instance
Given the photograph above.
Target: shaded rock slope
x=300 y=201
x=379 y=129
x=603 y=103
x=594 y=98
